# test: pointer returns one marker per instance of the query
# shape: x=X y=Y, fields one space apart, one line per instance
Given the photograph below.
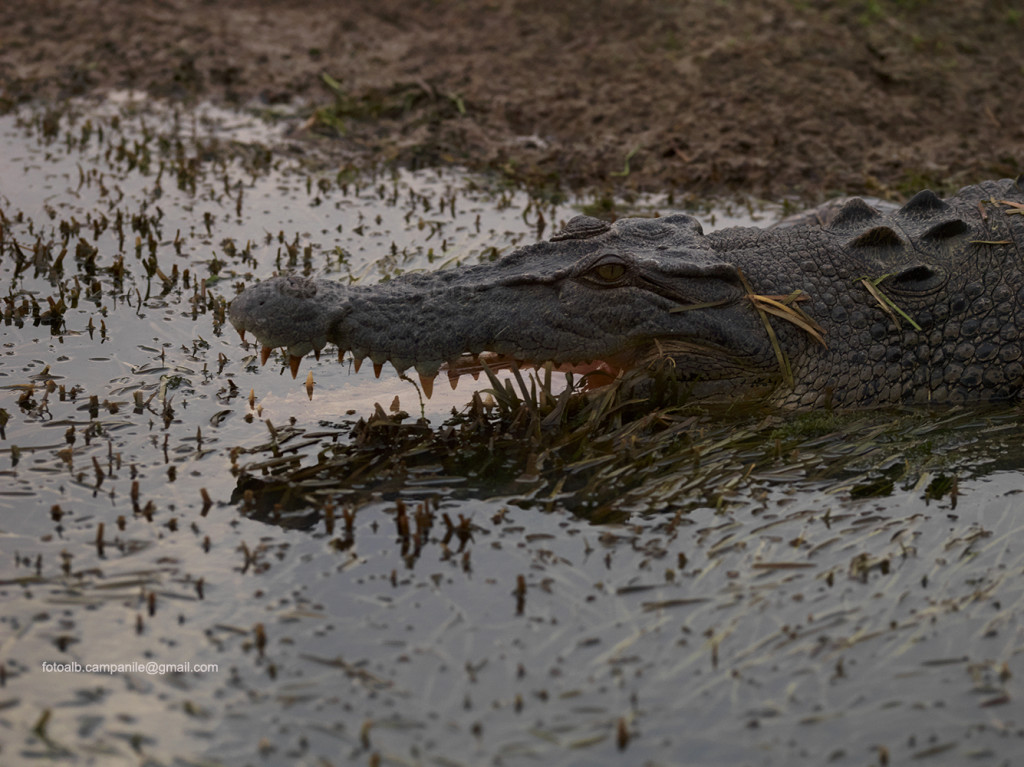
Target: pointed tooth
x=341 y=354
x=241 y=334
x=377 y=367
x=453 y=378
x=427 y=382
x=316 y=354
x=265 y=353
x=476 y=375
x=357 y=363
x=293 y=363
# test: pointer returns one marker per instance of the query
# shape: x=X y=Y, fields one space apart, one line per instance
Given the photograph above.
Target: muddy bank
x=707 y=98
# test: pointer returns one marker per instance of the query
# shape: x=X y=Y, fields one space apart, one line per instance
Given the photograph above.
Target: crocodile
x=860 y=306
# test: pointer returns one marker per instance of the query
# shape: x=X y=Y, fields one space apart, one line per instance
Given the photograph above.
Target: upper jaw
x=304 y=315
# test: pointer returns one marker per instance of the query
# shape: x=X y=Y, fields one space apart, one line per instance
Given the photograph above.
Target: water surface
x=742 y=589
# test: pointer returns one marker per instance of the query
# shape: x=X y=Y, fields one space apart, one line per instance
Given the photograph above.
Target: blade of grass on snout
x=780 y=353
x=888 y=305
x=782 y=307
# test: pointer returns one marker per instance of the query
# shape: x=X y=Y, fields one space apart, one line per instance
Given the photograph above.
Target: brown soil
x=771 y=98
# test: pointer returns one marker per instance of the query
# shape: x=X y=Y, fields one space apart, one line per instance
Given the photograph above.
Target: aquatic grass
x=1016 y=208
x=625 y=168
x=603 y=461
x=780 y=354
x=889 y=306
x=786 y=307
x=392 y=102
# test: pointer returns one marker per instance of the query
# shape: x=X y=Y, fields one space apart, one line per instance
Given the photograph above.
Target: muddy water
x=735 y=590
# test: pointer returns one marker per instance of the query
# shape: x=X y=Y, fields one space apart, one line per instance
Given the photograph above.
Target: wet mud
x=771 y=98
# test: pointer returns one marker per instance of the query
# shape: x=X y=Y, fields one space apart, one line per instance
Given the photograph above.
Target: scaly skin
x=800 y=315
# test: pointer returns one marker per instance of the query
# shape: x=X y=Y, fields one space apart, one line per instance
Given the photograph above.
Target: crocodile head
x=920 y=304
x=618 y=295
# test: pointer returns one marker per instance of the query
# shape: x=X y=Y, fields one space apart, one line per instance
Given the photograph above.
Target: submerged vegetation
x=611 y=453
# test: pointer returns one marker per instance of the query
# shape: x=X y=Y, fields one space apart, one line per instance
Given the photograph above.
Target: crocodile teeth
x=427 y=382
x=241 y=334
x=453 y=378
x=265 y=353
x=293 y=363
x=377 y=367
x=316 y=354
x=427 y=368
x=357 y=362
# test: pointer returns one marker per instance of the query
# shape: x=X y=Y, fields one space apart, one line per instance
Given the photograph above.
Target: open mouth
x=595 y=374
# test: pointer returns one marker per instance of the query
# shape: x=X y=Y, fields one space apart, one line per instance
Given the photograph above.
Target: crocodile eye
x=610 y=272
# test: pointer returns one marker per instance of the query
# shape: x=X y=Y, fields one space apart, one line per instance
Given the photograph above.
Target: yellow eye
x=610 y=272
